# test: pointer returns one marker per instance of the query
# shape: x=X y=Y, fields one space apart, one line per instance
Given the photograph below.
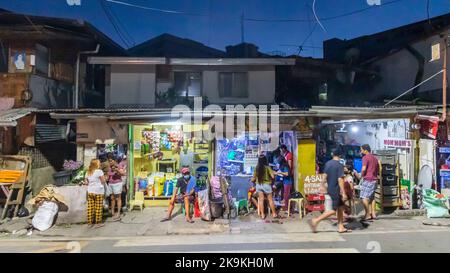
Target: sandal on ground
x=165 y=219
x=190 y=221
x=90 y=226
x=345 y=231
x=99 y=225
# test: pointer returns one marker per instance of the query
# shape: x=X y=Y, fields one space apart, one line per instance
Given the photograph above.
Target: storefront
x=159 y=151
x=389 y=139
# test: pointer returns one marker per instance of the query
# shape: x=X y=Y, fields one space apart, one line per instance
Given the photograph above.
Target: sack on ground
x=45 y=215
x=436 y=207
x=203 y=203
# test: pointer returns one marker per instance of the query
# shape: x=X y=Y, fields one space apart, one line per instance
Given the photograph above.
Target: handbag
x=108 y=190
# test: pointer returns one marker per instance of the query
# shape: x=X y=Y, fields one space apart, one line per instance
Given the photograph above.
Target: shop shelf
x=236 y=161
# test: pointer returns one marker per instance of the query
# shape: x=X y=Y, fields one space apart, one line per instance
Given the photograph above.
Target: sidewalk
x=147 y=223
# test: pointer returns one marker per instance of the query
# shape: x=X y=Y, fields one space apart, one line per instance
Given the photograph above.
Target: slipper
x=165 y=219
x=346 y=231
x=313 y=228
x=190 y=221
x=99 y=225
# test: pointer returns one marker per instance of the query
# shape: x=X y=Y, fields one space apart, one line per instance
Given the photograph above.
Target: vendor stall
x=159 y=151
x=384 y=137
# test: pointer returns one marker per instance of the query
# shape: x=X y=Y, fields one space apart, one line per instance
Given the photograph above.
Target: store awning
x=191 y=61
x=335 y=113
x=8 y=118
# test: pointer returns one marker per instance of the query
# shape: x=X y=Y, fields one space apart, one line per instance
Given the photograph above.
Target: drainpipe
x=444 y=82
x=77 y=72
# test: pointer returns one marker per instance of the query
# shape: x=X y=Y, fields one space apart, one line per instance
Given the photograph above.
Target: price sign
x=312 y=183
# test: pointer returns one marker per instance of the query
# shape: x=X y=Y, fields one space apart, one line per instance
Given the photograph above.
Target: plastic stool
x=241 y=204
x=300 y=204
x=191 y=209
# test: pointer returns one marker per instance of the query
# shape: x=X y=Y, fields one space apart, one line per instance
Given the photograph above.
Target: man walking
x=334 y=174
x=369 y=174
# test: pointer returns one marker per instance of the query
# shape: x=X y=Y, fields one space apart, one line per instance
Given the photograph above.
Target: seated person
x=253 y=197
x=186 y=185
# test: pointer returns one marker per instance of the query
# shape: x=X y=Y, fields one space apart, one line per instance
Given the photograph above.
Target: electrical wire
x=325 y=18
x=154 y=9
x=111 y=20
x=126 y=33
x=414 y=87
x=315 y=16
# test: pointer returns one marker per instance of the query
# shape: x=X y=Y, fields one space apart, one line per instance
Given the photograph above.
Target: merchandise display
x=160 y=152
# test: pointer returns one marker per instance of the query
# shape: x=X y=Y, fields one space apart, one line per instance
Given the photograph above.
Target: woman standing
x=285 y=173
x=95 y=180
x=115 y=182
x=263 y=177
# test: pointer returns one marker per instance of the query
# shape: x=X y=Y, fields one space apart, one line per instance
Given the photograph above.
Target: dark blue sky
x=221 y=25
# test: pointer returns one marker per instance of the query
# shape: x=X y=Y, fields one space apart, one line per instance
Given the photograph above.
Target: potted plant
x=70 y=169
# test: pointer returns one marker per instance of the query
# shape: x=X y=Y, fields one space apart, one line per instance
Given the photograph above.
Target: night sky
x=218 y=23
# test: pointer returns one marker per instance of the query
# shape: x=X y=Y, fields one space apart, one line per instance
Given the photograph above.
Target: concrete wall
x=398 y=71
x=135 y=84
x=132 y=84
x=261 y=84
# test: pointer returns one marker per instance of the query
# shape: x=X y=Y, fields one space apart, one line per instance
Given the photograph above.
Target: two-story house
x=43 y=67
x=382 y=66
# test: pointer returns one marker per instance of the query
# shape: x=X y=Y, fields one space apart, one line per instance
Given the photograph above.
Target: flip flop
x=190 y=221
x=346 y=231
x=165 y=220
x=313 y=228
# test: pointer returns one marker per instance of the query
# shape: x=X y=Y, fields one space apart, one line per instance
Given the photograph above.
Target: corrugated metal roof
x=9 y=117
x=315 y=111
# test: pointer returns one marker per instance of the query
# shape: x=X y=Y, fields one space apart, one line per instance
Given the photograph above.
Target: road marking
x=229 y=239
x=181 y=237
x=59 y=247
x=296 y=250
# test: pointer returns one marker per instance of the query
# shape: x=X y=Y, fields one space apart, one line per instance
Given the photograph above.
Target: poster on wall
x=19 y=60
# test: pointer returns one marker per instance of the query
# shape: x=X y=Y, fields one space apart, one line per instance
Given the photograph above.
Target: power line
x=155 y=9
x=127 y=34
x=315 y=16
x=111 y=20
x=322 y=19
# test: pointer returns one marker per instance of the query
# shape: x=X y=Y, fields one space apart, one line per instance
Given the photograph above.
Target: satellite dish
x=426 y=177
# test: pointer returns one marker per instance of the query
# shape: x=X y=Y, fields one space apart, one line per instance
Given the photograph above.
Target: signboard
x=435 y=52
x=428 y=125
x=312 y=183
x=398 y=143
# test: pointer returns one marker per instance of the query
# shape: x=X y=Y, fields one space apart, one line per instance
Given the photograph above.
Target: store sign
x=312 y=183
x=428 y=125
x=398 y=143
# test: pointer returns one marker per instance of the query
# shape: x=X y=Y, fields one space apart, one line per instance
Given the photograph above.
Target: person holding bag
x=95 y=181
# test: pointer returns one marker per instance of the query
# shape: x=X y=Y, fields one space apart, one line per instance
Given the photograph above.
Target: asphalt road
x=427 y=240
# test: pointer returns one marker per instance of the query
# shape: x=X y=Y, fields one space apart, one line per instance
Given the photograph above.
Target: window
x=188 y=84
x=233 y=85
x=42 y=59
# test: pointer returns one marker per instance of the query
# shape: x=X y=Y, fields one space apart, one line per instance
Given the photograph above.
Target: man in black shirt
x=334 y=172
